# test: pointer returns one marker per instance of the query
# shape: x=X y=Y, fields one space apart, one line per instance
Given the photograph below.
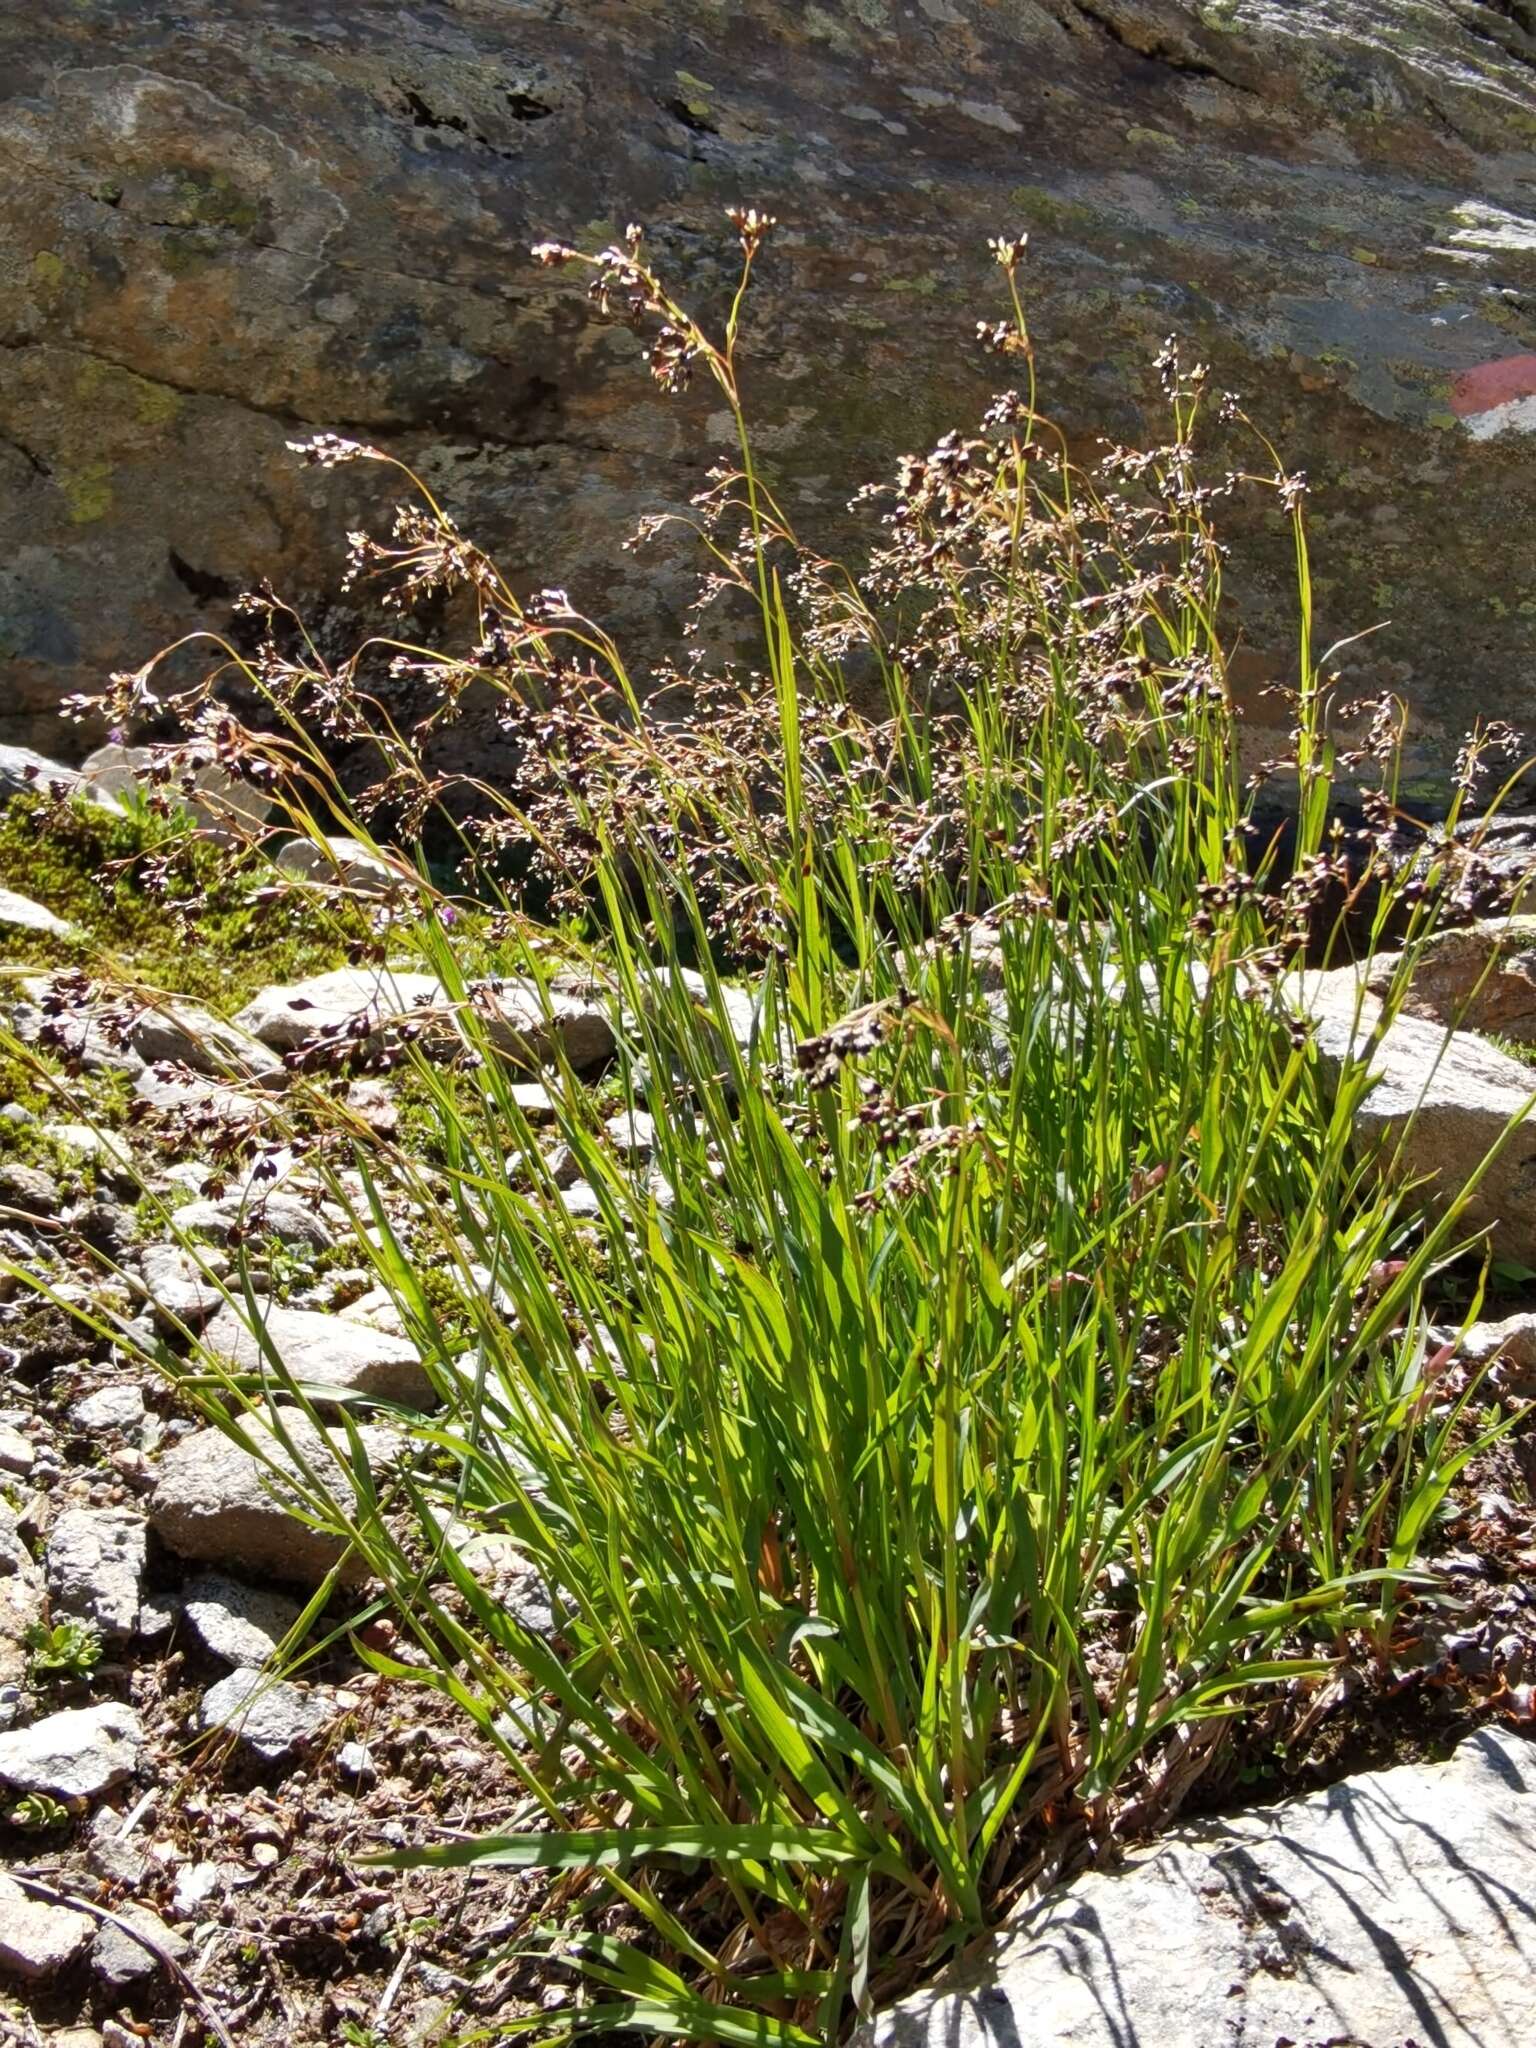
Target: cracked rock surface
x=1393 y=1907
x=225 y=226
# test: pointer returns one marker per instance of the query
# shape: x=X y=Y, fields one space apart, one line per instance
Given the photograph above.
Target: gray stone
x=241 y=1624
x=122 y=1964
x=88 y=1029
x=258 y=1215
x=38 y=1939
x=197 y=1883
x=322 y=1350
x=355 y=1006
x=110 y=1853
x=561 y=1164
x=77 y=1754
x=214 y=798
x=527 y=1723
x=17 y=1452
x=378 y=1309
x=633 y=1136
x=21 y=1598
x=339 y=863
x=534 y=1100
x=355 y=1761
x=738 y=1017
x=181 y=1287
x=741 y=1008
x=20 y=913
x=107 y=1151
x=1440 y=1102
x=526 y=1028
x=271 y=1716
x=106 y=1227
x=109 y=1408
x=95 y=1564
x=1329 y=198
x=287 y=1015
x=1508 y=1345
x=580 y=1202
x=500 y=1565
x=29 y=1189
x=1477 y=977
x=195 y=1038
x=373 y=1099
x=24 y=772
x=220 y=1503
x=1394 y=1907
x=173 y=1091
x=158 y=1615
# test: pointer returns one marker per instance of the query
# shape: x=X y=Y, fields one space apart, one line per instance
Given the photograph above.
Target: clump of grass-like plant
x=990 y=1373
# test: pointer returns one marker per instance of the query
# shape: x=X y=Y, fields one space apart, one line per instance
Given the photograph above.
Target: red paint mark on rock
x=1492 y=384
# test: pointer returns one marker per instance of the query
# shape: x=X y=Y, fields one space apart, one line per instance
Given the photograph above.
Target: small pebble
x=120 y=1407
x=196 y=1883
x=133 y=1465
x=158 y=1615
x=16 y=1453
x=355 y=1761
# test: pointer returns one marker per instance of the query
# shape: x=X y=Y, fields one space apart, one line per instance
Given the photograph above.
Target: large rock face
x=1391 y=1911
x=226 y=224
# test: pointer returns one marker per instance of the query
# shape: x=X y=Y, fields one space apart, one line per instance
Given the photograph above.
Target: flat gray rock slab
x=77 y=1754
x=25 y=773
x=21 y=1597
x=222 y=1504
x=270 y=1716
x=22 y=914
x=241 y=1624
x=194 y=1037
x=353 y=1005
x=287 y=1015
x=109 y=1408
x=1394 y=1908
x=107 y=1150
x=181 y=1288
x=257 y=1216
x=38 y=1939
x=1440 y=1102
x=323 y=1351
x=96 y=1560
x=173 y=1091
x=214 y=797
x=18 y=1455
x=340 y=863
x=122 y=1963
x=1509 y=1346
x=1477 y=977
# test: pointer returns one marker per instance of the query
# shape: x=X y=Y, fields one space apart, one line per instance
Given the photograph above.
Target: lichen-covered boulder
x=226 y=225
